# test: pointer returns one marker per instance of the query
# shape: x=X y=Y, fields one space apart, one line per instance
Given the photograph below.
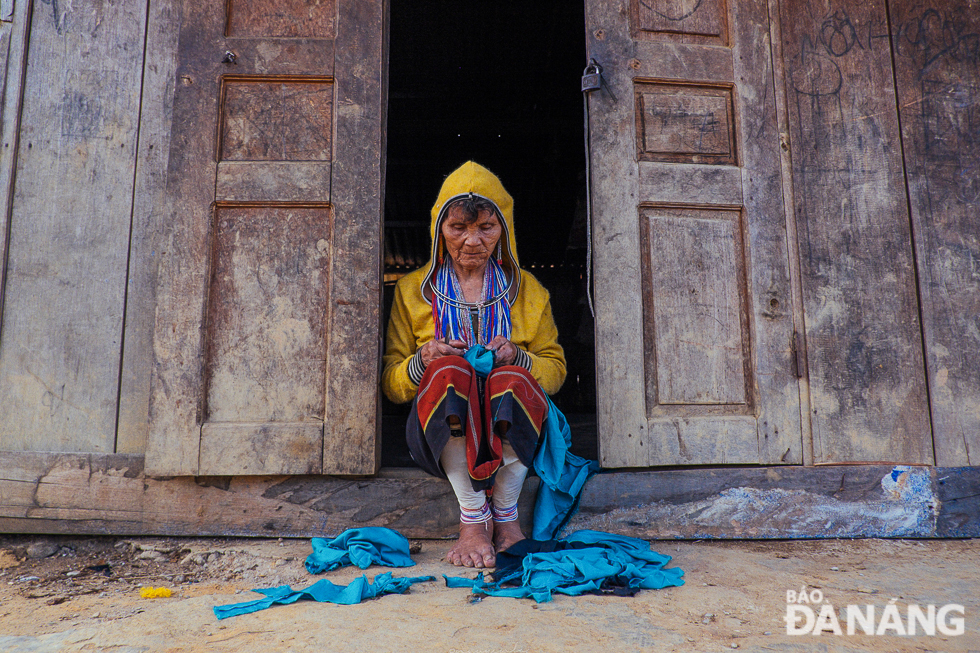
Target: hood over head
x=473 y=179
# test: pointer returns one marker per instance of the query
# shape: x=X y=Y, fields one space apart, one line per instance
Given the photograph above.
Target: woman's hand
x=504 y=351
x=437 y=349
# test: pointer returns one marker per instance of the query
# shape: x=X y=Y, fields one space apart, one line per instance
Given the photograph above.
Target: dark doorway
x=497 y=82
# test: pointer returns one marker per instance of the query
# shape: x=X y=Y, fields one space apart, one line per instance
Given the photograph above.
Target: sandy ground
x=82 y=594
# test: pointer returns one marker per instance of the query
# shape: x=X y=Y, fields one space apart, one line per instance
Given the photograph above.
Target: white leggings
x=507 y=483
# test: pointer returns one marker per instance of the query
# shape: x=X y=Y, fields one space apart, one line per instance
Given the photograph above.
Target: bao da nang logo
x=809 y=613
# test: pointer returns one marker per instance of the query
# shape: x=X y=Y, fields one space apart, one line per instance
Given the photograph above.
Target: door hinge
x=799 y=365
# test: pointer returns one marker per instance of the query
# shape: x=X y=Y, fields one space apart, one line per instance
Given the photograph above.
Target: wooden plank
x=767 y=250
x=351 y=442
x=262 y=448
x=700 y=440
x=7 y=10
x=266 y=314
x=620 y=391
x=792 y=502
x=667 y=60
x=864 y=344
x=694 y=316
x=177 y=391
x=70 y=226
x=936 y=63
x=685 y=123
x=247 y=181
x=959 y=495
x=111 y=494
x=149 y=224
x=790 y=301
x=690 y=184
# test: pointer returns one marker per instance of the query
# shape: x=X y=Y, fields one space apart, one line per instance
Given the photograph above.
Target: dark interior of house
x=496 y=82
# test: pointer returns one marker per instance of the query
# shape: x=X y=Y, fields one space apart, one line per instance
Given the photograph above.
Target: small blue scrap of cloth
x=373 y=545
x=584 y=562
x=363 y=547
x=323 y=591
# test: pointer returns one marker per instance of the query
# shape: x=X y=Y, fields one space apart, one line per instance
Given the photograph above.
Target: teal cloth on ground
x=562 y=473
x=323 y=591
x=624 y=561
x=372 y=545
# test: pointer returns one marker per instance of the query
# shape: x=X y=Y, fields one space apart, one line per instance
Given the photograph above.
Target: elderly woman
x=481 y=434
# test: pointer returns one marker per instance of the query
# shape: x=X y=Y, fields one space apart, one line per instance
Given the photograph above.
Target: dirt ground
x=83 y=594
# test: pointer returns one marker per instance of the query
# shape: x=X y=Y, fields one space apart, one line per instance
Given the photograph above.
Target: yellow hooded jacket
x=411 y=326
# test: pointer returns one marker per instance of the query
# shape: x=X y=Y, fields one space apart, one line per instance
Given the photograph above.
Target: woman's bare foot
x=506 y=534
x=474 y=547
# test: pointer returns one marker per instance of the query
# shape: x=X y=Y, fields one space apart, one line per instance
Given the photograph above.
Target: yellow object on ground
x=155 y=592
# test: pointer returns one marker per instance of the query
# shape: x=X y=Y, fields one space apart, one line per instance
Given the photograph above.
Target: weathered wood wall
x=889 y=151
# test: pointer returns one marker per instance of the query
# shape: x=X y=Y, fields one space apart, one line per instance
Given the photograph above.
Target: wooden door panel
x=268 y=176
x=266 y=308
x=864 y=344
x=695 y=366
x=936 y=71
x=693 y=307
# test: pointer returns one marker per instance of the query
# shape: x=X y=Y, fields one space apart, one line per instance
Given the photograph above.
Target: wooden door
x=864 y=340
x=694 y=317
x=266 y=339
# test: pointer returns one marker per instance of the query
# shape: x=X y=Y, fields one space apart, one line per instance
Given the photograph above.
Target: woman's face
x=470 y=245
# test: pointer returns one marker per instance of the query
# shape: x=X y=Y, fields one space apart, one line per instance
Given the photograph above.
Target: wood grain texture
x=111 y=494
x=702 y=21
x=351 y=444
x=938 y=74
x=13 y=61
x=282 y=18
x=758 y=245
x=261 y=448
x=150 y=210
x=177 y=395
x=672 y=183
x=273 y=181
x=679 y=61
x=70 y=228
x=270 y=120
x=694 y=307
x=767 y=252
x=7 y=8
x=266 y=315
x=265 y=307
x=867 y=381
x=685 y=124
x=773 y=502
x=620 y=395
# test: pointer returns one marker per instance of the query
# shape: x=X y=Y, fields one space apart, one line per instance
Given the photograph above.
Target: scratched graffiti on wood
x=937 y=59
x=685 y=124
x=699 y=20
x=864 y=345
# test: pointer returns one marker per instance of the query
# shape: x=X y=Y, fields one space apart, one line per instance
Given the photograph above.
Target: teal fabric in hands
x=481 y=359
x=372 y=545
x=323 y=591
x=562 y=473
x=599 y=557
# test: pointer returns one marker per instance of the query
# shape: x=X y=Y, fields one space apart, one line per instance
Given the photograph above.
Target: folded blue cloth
x=373 y=545
x=588 y=562
x=323 y=591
